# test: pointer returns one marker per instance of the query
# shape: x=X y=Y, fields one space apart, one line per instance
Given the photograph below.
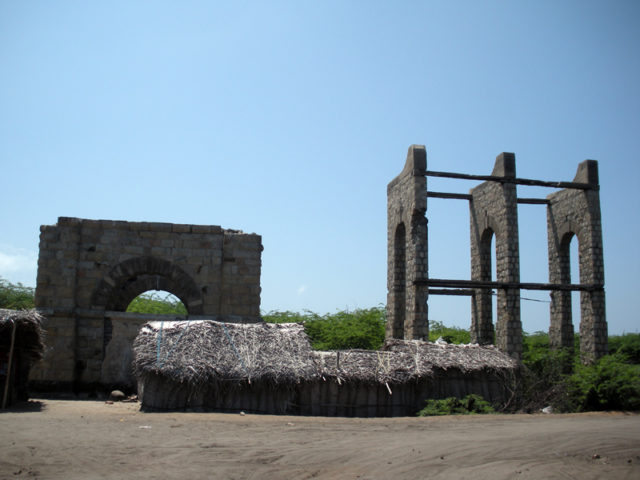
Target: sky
x=289 y=118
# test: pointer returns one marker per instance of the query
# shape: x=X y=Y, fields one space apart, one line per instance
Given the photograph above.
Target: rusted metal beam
x=446 y=283
x=466 y=196
x=518 y=181
x=534 y=201
x=445 y=291
x=456 y=196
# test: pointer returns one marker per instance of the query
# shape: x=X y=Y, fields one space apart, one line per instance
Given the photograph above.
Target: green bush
x=16 y=296
x=627 y=344
x=343 y=330
x=610 y=384
x=469 y=405
x=156 y=303
x=277 y=316
x=449 y=334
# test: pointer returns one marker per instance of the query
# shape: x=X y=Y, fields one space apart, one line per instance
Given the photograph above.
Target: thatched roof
x=205 y=351
x=29 y=333
x=402 y=360
x=466 y=358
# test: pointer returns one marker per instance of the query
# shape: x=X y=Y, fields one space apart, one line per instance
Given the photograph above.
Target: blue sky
x=288 y=119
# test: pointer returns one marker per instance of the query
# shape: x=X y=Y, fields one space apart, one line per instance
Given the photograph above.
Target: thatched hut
x=211 y=365
x=271 y=368
x=21 y=345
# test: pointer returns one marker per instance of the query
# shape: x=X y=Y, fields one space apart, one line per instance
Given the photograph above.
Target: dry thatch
x=29 y=333
x=466 y=358
x=205 y=351
x=403 y=360
x=201 y=352
x=370 y=367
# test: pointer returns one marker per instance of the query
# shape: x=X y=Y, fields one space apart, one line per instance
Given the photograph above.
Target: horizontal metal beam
x=517 y=181
x=456 y=196
x=445 y=283
x=466 y=196
x=444 y=291
x=534 y=201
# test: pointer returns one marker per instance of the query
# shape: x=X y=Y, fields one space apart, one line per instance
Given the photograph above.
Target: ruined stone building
x=574 y=209
x=90 y=270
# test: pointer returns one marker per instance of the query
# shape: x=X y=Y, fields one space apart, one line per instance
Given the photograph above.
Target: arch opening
x=158 y=302
x=399 y=280
x=129 y=279
x=575 y=276
x=487 y=299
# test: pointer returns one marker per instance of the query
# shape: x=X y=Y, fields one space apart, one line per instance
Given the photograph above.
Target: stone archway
x=90 y=270
x=137 y=275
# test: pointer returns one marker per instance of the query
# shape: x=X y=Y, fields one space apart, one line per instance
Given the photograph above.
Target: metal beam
x=518 y=181
x=456 y=196
x=446 y=283
x=466 y=196
x=444 y=291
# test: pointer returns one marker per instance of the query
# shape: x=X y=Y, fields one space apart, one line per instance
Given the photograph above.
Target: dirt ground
x=56 y=439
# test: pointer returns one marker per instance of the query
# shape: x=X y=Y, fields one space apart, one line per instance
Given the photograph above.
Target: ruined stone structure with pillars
x=407 y=251
x=494 y=212
x=90 y=270
x=572 y=210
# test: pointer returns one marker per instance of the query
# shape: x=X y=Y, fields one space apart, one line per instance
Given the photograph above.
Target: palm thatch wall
x=23 y=329
x=271 y=368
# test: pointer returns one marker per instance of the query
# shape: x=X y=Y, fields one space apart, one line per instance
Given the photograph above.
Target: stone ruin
x=493 y=209
x=90 y=270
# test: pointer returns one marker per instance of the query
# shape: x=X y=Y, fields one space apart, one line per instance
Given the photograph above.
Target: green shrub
x=343 y=330
x=153 y=302
x=609 y=384
x=449 y=334
x=627 y=344
x=469 y=405
x=16 y=296
x=277 y=316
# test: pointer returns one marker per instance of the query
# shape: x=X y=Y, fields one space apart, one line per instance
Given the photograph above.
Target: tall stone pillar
x=577 y=212
x=494 y=212
x=407 y=249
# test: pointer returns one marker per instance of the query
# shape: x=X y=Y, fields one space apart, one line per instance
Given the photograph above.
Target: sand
x=55 y=439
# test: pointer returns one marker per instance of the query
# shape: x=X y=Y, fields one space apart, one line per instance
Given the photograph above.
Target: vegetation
x=469 y=405
x=449 y=334
x=559 y=379
x=161 y=303
x=15 y=296
x=555 y=378
x=361 y=328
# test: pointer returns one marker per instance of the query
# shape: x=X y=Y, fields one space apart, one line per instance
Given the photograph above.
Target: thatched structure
x=21 y=345
x=271 y=368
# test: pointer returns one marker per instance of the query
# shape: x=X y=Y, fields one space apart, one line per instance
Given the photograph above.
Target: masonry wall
x=88 y=269
x=494 y=214
x=407 y=249
x=577 y=212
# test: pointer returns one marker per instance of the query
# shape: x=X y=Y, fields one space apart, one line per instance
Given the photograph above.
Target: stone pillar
x=577 y=212
x=55 y=297
x=407 y=249
x=494 y=212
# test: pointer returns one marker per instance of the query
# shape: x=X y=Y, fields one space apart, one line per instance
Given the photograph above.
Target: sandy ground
x=55 y=439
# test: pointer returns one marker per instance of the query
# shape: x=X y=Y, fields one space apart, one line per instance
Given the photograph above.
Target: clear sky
x=288 y=119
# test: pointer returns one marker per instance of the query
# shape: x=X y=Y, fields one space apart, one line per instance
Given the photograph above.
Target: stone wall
x=407 y=249
x=89 y=269
x=577 y=212
x=494 y=213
